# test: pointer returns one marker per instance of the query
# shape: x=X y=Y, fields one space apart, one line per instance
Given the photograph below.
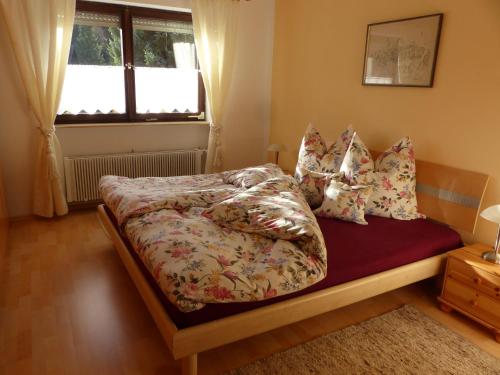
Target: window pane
x=166 y=72
x=94 y=81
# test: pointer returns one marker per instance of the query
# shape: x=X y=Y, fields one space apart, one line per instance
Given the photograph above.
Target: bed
x=450 y=197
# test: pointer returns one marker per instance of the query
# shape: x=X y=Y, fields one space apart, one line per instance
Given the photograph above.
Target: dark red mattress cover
x=354 y=251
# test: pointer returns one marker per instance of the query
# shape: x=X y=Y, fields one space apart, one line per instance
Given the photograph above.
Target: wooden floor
x=67 y=306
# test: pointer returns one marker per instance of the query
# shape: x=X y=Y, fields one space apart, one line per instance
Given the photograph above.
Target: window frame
x=126 y=13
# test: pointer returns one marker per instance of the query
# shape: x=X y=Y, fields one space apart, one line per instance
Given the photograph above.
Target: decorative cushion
x=249 y=177
x=315 y=156
x=394 y=183
x=345 y=202
x=312 y=185
x=358 y=164
x=338 y=149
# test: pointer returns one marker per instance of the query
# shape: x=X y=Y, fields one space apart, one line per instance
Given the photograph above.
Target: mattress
x=354 y=251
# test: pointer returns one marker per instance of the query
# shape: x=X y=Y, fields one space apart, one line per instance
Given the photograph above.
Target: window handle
x=129 y=66
x=201 y=116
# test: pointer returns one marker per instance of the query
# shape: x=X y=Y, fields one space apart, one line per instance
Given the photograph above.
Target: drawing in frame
x=402 y=52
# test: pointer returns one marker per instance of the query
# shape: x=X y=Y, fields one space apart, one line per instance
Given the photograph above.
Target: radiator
x=84 y=172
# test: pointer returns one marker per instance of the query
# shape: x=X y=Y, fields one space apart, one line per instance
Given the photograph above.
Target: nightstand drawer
x=475 y=277
x=472 y=301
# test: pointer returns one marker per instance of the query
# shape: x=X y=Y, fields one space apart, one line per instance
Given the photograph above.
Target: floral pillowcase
x=317 y=162
x=315 y=156
x=393 y=176
x=313 y=185
x=394 y=183
x=345 y=202
x=358 y=164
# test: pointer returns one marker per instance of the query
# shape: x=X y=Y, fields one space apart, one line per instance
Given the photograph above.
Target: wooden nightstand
x=472 y=287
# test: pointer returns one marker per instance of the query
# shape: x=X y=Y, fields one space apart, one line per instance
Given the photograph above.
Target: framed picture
x=402 y=52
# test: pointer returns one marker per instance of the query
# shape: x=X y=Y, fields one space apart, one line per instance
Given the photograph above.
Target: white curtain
x=40 y=34
x=215 y=25
x=184 y=54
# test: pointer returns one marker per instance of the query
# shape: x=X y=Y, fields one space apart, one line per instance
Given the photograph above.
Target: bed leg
x=190 y=365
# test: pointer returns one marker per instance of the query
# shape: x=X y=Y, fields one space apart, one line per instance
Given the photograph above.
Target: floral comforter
x=208 y=241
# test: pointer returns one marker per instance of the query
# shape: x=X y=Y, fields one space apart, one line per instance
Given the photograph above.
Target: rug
x=404 y=341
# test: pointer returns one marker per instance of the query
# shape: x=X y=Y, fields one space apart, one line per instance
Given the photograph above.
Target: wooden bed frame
x=448 y=195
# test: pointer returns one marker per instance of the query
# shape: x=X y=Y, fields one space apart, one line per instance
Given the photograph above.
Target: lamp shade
x=492 y=213
x=276 y=147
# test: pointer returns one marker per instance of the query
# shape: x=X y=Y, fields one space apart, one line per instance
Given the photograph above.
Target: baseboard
x=84 y=205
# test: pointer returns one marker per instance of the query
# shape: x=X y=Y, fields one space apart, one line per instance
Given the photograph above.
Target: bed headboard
x=449 y=195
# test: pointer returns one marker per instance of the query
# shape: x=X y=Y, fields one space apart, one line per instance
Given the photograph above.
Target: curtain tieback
x=215 y=128
x=47 y=132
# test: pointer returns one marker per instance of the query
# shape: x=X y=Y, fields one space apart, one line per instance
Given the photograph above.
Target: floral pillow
x=345 y=202
x=315 y=156
x=358 y=164
x=249 y=177
x=394 y=183
x=313 y=185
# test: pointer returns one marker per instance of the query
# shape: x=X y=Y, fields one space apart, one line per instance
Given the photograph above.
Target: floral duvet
x=205 y=240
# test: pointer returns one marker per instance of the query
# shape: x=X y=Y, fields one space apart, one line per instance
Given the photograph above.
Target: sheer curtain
x=215 y=25
x=184 y=54
x=40 y=34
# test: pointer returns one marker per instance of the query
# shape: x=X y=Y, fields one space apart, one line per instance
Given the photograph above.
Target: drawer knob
x=477 y=280
x=474 y=302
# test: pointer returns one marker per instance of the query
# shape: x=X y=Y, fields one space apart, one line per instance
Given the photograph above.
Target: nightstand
x=472 y=287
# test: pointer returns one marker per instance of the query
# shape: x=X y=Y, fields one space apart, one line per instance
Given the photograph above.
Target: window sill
x=131 y=124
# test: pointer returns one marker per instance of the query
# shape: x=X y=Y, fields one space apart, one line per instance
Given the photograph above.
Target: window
x=129 y=64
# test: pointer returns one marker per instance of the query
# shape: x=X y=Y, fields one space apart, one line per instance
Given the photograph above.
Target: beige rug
x=404 y=341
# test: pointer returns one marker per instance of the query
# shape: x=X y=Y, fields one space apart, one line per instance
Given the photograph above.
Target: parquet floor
x=67 y=306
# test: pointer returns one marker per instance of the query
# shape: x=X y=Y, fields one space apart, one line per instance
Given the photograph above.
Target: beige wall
x=248 y=115
x=249 y=100
x=318 y=62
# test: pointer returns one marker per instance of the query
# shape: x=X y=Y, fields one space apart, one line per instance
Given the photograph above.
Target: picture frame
x=402 y=52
